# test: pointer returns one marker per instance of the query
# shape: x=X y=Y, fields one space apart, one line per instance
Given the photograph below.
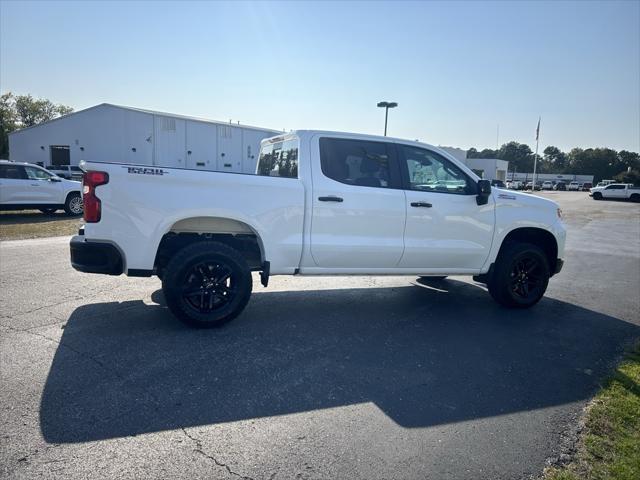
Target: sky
x=456 y=69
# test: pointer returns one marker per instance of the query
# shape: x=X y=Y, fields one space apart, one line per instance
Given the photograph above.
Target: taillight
x=91 y=203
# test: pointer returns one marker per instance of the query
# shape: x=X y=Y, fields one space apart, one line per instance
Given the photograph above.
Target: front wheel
x=73 y=205
x=635 y=197
x=520 y=276
x=207 y=284
x=597 y=196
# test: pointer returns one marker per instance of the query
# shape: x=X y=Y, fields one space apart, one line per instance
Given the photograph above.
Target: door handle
x=421 y=204
x=35 y=184
x=330 y=199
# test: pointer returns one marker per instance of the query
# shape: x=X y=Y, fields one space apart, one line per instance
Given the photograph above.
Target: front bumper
x=95 y=257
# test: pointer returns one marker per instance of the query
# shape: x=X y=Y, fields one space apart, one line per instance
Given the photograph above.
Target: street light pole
x=386 y=106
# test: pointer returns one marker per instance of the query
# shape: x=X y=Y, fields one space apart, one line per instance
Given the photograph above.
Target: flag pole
x=535 y=159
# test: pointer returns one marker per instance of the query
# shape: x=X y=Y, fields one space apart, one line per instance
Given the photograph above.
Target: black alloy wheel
x=526 y=278
x=209 y=286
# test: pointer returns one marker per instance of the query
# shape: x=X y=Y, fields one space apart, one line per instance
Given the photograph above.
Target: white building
x=487 y=168
x=553 y=177
x=112 y=133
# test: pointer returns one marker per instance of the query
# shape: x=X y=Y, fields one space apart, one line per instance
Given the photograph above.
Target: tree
x=8 y=122
x=519 y=155
x=32 y=111
x=19 y=111
x=554 y=160
x=630 y=176
x=629 y=159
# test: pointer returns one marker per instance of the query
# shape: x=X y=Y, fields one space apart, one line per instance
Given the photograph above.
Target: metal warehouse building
x=112 y=133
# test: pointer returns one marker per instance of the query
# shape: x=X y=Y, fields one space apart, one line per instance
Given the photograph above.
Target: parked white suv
x=321 y=203
x=24 y=186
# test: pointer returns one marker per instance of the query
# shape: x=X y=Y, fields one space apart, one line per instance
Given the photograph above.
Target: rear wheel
x=207 y=284
x=635 y=197
x=597 y=196
x=73 y=205
x=520 y=276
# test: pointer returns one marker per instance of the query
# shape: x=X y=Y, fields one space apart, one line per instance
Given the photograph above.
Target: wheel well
x=236 y=235
x=538 y=237
x=74 y=192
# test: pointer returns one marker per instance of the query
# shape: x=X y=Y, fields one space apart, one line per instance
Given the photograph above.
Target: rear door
x=358 y=206
x=446 y=228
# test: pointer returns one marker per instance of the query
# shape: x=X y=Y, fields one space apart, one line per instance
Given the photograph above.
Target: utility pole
x=386 y=106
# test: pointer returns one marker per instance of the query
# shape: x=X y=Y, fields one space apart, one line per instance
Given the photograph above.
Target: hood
x=510 y=197
x=71 y=183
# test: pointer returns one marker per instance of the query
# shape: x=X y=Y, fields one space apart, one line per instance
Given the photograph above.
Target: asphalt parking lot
x=356 y=377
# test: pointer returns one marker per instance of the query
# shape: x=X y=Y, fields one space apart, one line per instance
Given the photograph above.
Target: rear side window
x=279 y=159
x=356 y=162
x=615 y=187
x=12 y=171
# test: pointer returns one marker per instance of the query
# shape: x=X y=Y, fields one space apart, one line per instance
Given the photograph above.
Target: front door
x=40 y=188
x=358 y=206
x=445 y=227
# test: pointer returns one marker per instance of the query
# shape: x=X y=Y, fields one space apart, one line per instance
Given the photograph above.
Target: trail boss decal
x=506 y=196
x=145 y=171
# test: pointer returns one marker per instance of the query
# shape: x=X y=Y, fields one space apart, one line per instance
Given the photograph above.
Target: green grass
x=610 y=445
x=34 y=224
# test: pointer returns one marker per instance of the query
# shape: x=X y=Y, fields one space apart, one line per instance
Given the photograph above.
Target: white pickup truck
x=321 y=203
x=619 y=191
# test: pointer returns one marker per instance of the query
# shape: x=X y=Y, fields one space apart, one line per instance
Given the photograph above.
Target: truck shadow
x=425 y=355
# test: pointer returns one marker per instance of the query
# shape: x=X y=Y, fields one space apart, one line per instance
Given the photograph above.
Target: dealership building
x=112 y=133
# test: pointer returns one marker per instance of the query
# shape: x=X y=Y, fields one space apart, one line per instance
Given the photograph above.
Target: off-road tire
x=192 y=284
x=509 y=280
x=597 y=196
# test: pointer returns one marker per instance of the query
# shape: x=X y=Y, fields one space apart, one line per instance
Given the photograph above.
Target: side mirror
x=484 y=190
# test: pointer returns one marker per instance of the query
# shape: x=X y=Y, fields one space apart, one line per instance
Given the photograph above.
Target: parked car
x=547 y=185
x=573 y=186
x=321 y=203
x=529 y=186
x=604 y=183
x=30 y=187
x=618 y=191
x=561 y=186
x=587 y=186
x=498 y=184
x=69 y=172
x=514 y=185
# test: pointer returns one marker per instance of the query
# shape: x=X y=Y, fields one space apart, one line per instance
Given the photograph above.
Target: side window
x=36 y=174
x=431 y=172
x=279 y=159
x=615 y=187
x=356 y=162
x=15 y=172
